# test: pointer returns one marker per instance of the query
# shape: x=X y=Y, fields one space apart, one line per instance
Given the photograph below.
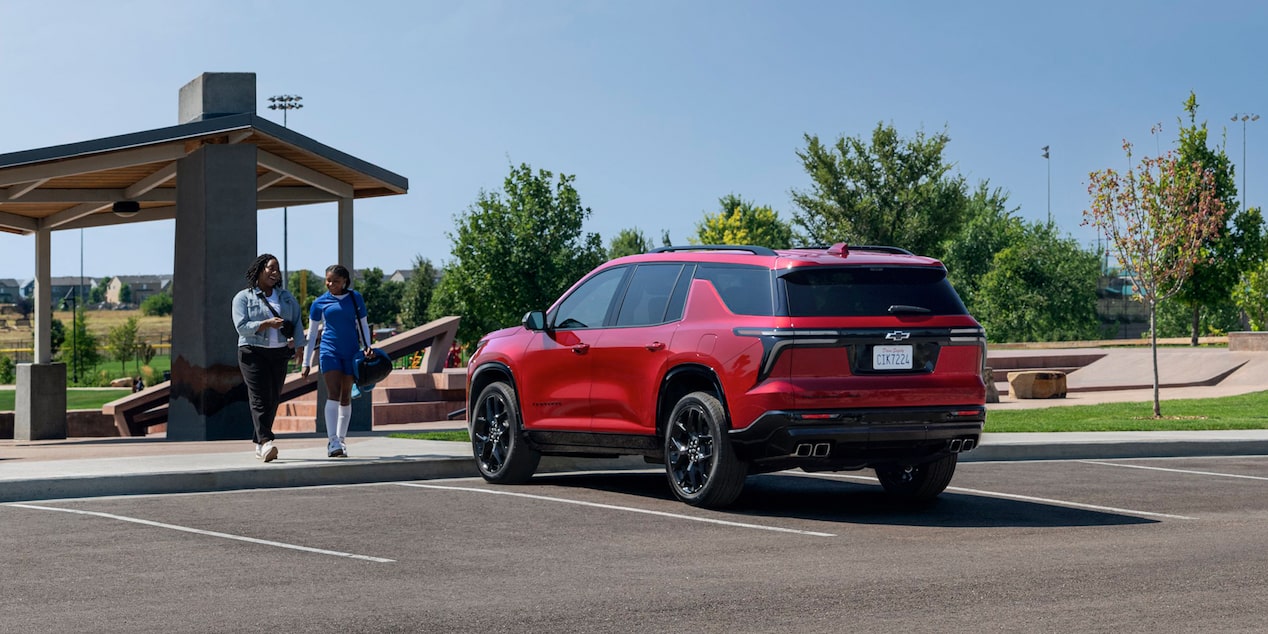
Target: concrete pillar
x=43 y=296
x=345 y=233
x=216 y=238
x=40 y=402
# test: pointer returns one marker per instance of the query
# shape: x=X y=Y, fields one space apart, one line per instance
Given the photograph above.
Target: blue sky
x=657 y=107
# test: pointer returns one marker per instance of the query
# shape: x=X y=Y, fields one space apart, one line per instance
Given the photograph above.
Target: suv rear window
x=859 y=291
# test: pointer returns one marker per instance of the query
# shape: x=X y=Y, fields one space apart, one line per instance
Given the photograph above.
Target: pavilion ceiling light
x=126 y=208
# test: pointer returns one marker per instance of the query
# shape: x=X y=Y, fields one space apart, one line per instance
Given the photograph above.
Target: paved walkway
x=83 y=467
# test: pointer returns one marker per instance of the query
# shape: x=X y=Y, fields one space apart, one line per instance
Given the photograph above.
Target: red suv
x=725 y=361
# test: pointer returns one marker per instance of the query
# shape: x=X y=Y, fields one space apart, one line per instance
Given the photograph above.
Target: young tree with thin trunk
x=1157 y=217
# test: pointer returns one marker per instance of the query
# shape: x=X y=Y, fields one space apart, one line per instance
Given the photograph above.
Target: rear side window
x=870 y=291
x=648 y=295
x=746 y=290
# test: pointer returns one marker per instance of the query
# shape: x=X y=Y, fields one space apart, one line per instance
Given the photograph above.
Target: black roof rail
x=859 y=247
x=716 y=247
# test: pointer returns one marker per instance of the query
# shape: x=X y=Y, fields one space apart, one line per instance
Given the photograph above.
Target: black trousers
x=264 y=370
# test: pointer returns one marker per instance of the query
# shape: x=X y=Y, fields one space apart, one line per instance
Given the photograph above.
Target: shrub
x=8 y=373
x=157 y=305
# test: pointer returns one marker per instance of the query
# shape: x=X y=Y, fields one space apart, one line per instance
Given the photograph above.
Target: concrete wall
x=1248 y=342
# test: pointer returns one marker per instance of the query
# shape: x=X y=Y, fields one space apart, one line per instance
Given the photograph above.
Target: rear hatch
x=878 y=337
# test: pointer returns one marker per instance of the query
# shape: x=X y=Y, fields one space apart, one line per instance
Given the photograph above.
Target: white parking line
x=1013 y=496
x=208 y=533
x=613 y=507
x=1188 y=471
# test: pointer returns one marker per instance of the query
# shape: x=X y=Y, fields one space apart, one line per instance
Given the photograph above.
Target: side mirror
x=534 y=320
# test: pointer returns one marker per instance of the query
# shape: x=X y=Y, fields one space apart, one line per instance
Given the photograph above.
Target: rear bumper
x=836 y=440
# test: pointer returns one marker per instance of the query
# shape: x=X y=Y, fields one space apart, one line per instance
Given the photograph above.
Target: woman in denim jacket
x=270 y=333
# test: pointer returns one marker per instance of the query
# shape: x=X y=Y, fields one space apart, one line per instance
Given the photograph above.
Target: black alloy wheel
x=700 y=463
x=500 y=451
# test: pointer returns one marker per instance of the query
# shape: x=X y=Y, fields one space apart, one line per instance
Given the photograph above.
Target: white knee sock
x=345 y=418
x=332 y=420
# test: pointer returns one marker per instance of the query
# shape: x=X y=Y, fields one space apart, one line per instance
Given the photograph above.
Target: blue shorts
x=328 y=362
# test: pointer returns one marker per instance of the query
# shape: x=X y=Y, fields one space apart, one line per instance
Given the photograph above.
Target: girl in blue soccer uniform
x=334 y=319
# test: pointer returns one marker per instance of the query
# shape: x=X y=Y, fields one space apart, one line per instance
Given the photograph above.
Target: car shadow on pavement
x=846 y=502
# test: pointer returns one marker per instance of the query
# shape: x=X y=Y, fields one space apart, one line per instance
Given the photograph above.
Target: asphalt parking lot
x=1172 y=544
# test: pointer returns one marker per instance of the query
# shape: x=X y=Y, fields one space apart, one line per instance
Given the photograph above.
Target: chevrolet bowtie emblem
x=898 y=335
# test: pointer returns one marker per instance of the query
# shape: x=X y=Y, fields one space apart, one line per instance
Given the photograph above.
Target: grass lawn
x=1245 y=411
x=75 y=398
x=459 y=435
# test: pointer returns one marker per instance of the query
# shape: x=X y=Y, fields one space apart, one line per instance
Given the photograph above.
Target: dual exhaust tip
x=817 y=450
x=823 y=449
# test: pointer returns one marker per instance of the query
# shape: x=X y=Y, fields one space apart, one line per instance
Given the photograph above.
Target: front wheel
x=701 y=465
x=500 y=451
x=917 y=483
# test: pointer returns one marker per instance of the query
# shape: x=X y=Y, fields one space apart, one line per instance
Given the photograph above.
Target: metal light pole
x=1049 y=162
x=1244 y=118
x=285 y=103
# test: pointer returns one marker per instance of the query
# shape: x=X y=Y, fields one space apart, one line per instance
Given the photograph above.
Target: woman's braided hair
x=341 y=271
x=253 y=273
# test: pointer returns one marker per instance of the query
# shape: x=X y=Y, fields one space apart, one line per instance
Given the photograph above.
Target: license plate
x=891 y=357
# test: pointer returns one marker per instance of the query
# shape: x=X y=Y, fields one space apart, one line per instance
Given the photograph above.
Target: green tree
x=416 y=296
x=56 y=336
x=382 y=296
x=98 y=293
x=888 y=191
x=1040 y=287
x=1251 y=296
x=157 y=305
x=306 y=286
x=121 y=342
x=8 y=374
x=1158 y=216
x=25 y=306
x=125 y=294
x=83 y=354
x=628 y=242
x=1238 y=246
x=989 y=228
x=739 y=221
x=515 y=251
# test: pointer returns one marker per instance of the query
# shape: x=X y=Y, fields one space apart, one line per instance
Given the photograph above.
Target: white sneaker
x=259 y=455
x=268 y=452
x=334 y=449
x=343 y=446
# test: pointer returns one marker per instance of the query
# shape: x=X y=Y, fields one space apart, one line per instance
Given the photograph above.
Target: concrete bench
x=1037 y=384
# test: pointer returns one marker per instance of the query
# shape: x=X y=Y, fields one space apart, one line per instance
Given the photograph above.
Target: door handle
x=581 y=348
x=655 y=346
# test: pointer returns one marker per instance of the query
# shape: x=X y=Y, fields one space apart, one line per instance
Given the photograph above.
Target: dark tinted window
x=746 y=290
x=849 y=292
x=588 y=305
x=648 y=294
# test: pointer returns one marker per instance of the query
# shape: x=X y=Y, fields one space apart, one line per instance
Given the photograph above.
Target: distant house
x=61 y=288
x=401 y=275
x=10 y=291
x=142 y=287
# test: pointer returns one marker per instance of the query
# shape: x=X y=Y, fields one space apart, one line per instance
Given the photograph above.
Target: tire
x=922 y=483
x=501 y=453
x=699 y=461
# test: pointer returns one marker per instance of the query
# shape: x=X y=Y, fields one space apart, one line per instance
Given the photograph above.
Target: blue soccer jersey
x=339 y=314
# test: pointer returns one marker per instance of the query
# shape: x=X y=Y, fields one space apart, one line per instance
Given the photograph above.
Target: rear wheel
x=701 y=465
x=500 y=451
x=917 y=483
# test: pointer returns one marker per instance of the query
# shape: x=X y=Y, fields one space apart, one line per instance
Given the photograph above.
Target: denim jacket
x=249 y=311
